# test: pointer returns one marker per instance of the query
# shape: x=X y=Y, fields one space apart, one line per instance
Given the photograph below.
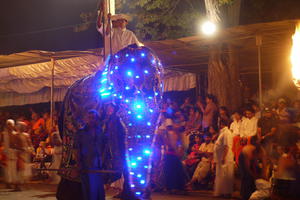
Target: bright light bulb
x=208 y=28
x=132 y=59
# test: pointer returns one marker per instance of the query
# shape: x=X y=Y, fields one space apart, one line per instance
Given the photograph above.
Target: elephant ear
x=80 y=97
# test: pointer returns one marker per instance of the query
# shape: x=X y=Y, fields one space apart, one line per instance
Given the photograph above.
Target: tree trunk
x=223 y=76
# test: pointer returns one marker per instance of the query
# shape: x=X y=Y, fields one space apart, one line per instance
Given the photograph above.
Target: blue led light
x=130 y=124
x=146 y=71
x=110 y=88
x=132 y=59
x=116 y=56
x=142 y=181
x=103 y=80
x=137 y=76
x=147 y=136
x=156 y=93
x=105 y=94
x=139 y=158
x=131 y=173
x=139 y=175
x=120 y=97
x=132 y=185
x=146 y=166
x=133 y=164
x=127 y=87
x=130 y=149
x=143 y=54
x=115 y=95
x=111 y=84
x=139 y=136
x=147 y=152
x=151 y=110
x=129 y=112
x=139 y=116
x=104 y=73
x=129 y=73
x=111 y=72
x=153 y=61
x=149 y=123
x=138 y=92
x=116 y=67
x=102 y=90
x=138 y=193
x=150 y=97
x=126 y=55
x=127 y=102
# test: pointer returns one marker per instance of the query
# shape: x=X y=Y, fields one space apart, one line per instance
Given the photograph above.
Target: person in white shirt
x=223 y=157
x=120 y=36
x=249 y=124
x=235 y=126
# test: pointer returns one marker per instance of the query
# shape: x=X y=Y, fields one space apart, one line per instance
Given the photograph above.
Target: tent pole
x=258 y=44
x=52 y=92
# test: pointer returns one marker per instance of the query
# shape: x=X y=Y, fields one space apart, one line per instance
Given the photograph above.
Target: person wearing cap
x=120 y=36
x=266 y=129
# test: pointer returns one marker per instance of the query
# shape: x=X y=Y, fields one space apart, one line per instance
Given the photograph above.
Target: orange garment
x=40 y=122
x=237 y=147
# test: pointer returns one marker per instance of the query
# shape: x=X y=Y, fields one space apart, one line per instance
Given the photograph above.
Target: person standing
x=209 y=113
x=223 y=157
x=57 y=155
x=248 y=126
x=8 y=141
x=90 y=145
x=120 y=36
x=26 y=150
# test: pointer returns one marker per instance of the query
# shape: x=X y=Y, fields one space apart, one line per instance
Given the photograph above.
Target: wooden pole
x=52 y=91
x=258 y=44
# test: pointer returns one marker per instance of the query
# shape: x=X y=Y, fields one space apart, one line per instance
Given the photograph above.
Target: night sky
x=20 y=17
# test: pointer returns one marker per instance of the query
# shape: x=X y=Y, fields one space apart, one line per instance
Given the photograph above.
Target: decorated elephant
x=127 y=95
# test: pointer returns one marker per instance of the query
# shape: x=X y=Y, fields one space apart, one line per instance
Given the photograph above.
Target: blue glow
x=132 y=185
x=139 y=116
x=129 y=112
x=115 y=95
x=127 y=102
x=138 y=193
x=146 y=166
x=142 y=182
x=116 y=67
x=110 y=88
x=151 y=110
x=130 y=149
x=116 y=56
x=139 y=175
x=127 y=87
x=131 y=173
x=126 y=55
x=139 y=136
x=137 y=76
x=139 y=158
x=105 y=94
x=147 y=152
x=143 y=54
x=111 y=84
x=129 y=73
x=149 y=123
x=104 y=73
x=153 y=61
x=146 y=71
x=156 y=93
x=138 y=92
x=111 y=72
x=132 y=59
x=147 y=136
x=120 y=97
x=150 y=97
x=130 y=124
x=102 y=90
x=103 y=80
x=133 y=164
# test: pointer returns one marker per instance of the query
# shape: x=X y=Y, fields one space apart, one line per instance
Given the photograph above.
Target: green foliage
x=162 y=19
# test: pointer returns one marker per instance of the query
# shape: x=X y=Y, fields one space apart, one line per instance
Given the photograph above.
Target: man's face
x=91 y=119
x=249 y=114
x=120 y=23
x=207 y=139
x=236 y=116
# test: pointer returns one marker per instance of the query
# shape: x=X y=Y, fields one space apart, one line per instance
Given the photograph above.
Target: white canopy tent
x=26 y=78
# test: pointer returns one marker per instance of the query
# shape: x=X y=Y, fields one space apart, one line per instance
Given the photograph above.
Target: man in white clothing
x=249 y=124
x=120 y=36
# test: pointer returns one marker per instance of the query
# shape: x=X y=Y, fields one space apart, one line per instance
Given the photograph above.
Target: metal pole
x=52 y=91
x=258 y=44
x=109 y=22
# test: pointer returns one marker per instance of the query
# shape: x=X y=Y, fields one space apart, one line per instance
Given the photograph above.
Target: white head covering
x=10 y=121
x=120 y=16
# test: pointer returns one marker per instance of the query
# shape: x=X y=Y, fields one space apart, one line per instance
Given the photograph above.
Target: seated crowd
x=28 y=144
x=205 y=146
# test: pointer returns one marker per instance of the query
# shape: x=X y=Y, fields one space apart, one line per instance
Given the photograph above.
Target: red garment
x=193 y=156
x=40 y=122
